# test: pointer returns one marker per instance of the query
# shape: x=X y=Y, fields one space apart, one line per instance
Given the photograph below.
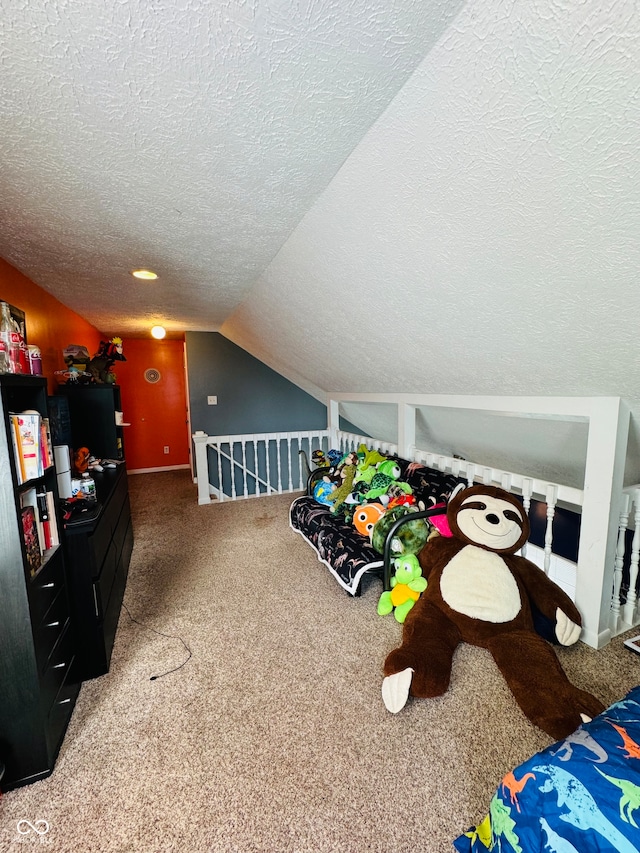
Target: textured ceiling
x=483 y=237
x=449 y=193
x=188 y=137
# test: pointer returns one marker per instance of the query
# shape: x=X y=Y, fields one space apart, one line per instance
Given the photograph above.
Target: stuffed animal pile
x=480 y=592
x=365 y=488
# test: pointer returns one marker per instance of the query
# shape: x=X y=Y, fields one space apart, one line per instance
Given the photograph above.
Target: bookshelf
x=38 y=683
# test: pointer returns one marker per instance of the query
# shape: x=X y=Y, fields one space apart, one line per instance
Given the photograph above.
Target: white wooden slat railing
x=274 y=465
x=235 y=467
x=625 y=612
x=526 y=487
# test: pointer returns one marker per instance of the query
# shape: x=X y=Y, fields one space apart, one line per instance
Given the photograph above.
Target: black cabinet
x=39 y=683
x=98 y=553
x=92 y=415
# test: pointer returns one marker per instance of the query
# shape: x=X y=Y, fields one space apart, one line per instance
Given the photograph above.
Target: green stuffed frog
x=406 y=586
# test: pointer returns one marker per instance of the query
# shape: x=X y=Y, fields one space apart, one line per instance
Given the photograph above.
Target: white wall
x=482 y=238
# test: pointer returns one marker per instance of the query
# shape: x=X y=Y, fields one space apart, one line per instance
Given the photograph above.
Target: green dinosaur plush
x=366 y=468
x=407 y=584
x=369 y=458
x=338 y=497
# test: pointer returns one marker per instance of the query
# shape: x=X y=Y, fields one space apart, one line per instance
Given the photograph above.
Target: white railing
x=276 y=466
x=625 y=612
x=528 y=488
x=348 y=441
x=236 y=467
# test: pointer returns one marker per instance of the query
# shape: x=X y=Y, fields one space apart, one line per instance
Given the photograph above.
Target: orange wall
x=157 y=413
x=50 y=324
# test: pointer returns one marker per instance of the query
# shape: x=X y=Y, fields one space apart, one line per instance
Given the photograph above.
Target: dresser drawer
x=127 y=550
x=120 y=532
x=44 y=588
x=98 y=543
x=58 y=667
x=113 y=609
x=102 y=585
x=61 y=709
x=107 y=525
x=121 y=492
x=47 y=633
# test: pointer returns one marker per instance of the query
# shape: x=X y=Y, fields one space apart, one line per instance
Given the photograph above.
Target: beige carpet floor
x=273 y=735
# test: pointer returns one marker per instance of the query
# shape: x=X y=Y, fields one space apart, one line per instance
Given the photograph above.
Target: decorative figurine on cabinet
x=97 y=370
x=101 y=365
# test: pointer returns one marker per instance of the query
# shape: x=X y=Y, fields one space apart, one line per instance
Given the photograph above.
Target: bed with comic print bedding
x=580 y=795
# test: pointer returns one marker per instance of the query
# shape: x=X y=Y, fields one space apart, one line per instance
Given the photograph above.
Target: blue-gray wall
x=252 y=398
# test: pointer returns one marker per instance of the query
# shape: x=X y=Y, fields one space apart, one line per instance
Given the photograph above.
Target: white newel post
x=619 y=561
x=333 y=422
x=604 y=476
x=632 y=598
x=406 y=430
x=202 y=466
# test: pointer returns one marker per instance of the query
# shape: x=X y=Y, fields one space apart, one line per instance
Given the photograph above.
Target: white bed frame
x=606 y=507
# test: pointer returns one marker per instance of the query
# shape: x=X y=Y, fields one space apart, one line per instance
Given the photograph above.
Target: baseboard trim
x=157 y=470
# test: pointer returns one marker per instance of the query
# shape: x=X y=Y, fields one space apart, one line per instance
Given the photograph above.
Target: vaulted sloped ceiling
x=482 y=238
x=189 y=137
x=368 y=196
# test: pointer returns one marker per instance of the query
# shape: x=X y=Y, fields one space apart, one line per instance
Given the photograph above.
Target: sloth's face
x=491 y=522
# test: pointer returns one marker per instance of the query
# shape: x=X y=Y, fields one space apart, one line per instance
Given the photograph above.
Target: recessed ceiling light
x=149 y=275
x=158 y=332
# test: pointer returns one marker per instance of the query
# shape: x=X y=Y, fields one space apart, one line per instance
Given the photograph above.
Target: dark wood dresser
x=98 y=556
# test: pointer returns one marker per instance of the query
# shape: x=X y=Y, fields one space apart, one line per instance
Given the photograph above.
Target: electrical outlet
x=166 y=448
x=212 y=401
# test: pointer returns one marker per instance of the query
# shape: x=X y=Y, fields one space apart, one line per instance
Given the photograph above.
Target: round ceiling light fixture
x=158 y=332
x=147 y=275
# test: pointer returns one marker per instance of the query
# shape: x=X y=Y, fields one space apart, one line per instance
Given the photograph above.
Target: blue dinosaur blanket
x=580 y=795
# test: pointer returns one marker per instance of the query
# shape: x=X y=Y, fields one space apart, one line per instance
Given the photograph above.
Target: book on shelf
x=44 y=519
x=28 y=443
x=53 y=520
x=31 y=539
x=46 y=446
x=43 y=505
x=17 y=453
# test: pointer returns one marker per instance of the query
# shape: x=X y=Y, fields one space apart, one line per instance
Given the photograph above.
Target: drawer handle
x=53 y=624
x=59 y=665
x=64 y=701
x=47 y=586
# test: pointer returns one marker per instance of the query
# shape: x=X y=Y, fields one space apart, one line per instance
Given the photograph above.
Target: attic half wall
x=481 y=239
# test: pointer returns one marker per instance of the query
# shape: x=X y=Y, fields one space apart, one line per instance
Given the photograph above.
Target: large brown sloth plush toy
x=480 y=592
